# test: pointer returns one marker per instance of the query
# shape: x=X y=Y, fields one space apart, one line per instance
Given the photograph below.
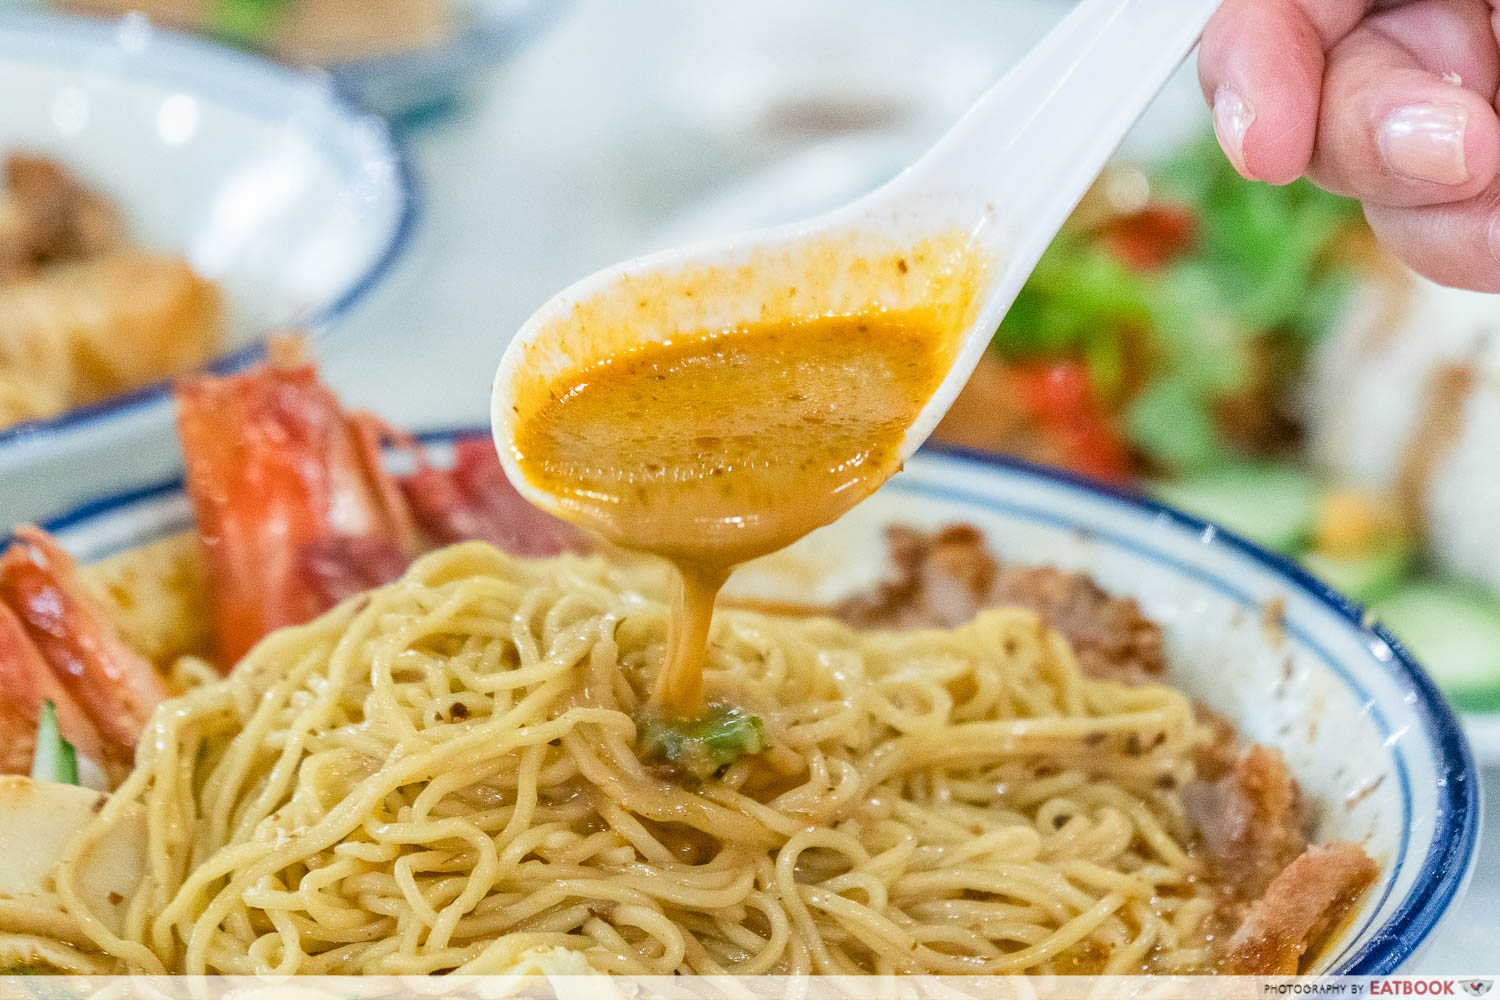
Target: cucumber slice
x=1365 y=579
x=55 y=759
x=1272 y=504
x=1454 y=631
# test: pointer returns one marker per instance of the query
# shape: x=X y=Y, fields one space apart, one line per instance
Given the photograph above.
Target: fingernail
x=1494 y=237
x=1233 y=117
x=1425 y=142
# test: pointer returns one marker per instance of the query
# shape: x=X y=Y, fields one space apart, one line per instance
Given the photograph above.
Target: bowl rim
x=100 y=33
x=1450 y=858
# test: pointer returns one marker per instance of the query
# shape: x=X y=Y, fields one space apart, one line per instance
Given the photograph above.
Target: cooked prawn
x=473 y=501
x=26 y=683
x=292 y=501
x=74 y=636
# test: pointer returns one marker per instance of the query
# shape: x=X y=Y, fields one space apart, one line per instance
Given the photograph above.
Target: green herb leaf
x=704 y=746
x=55 y=758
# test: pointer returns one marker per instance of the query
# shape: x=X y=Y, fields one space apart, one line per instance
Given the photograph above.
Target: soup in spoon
x=714 y=446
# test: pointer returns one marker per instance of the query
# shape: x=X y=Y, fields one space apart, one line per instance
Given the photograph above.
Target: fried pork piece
x=1280 y=896
x=944 y=578
x=80 y=332
x=1304 y=903
x=1219 y=754
x=1250 y=820
x=48 y=217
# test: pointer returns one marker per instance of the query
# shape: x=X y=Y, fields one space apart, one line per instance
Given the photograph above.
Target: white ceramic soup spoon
x=1005 y=178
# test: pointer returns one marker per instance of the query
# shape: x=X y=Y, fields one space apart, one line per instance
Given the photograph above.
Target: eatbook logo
x=1476 y=987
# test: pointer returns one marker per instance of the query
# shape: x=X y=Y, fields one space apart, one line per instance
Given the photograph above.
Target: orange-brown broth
x=714 y=449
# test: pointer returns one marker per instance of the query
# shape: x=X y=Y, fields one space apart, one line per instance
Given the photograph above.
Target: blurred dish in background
x=1165 y=330
x=1404 y=405
x=305 y=30
x=397 y=56
x=1247 y=353
x=84 y=314
x=261 y=179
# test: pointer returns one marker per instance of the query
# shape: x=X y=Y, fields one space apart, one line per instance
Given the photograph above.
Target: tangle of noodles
x=441 y=775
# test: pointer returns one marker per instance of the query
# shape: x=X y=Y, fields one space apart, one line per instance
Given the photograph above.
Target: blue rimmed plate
x=1364 y=730
x=268 y=180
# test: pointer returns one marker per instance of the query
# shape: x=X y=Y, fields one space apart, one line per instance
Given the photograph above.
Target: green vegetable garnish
x=246 y=21
x=701 y=747
x=1453 y=628
x=1080 y=301
x=1267 y=247
x=1167 y=346
x=1364 y=578
x=55 y=758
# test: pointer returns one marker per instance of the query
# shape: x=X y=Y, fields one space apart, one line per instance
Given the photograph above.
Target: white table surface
x=632 y=126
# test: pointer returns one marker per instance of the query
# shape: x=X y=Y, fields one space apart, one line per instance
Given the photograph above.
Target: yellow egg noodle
x=442 y=775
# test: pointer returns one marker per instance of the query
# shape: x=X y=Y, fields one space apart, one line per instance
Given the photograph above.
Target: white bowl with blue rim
x=268 y=180
x=1367 y=735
